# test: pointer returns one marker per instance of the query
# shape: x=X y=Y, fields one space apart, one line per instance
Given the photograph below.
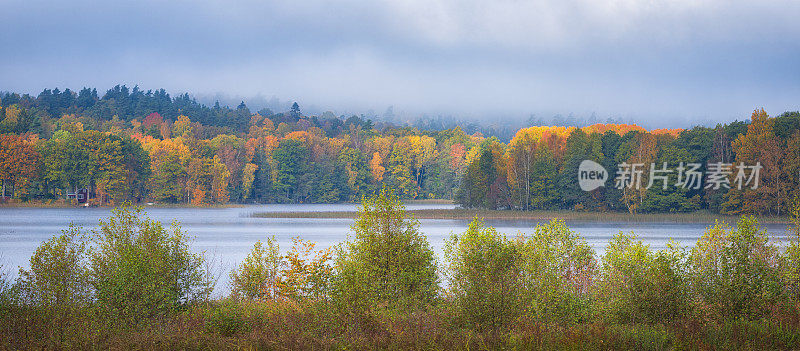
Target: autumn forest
x=146 y=146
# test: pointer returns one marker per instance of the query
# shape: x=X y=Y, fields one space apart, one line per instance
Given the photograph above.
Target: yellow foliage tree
x=376 y=167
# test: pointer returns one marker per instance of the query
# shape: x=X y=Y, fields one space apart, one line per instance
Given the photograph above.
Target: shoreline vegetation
x=542 y=216
x=63 y=204
x=68 y=206
x=134 y=284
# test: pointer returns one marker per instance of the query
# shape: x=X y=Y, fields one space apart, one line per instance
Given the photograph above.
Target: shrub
x=8 y=293
x=388 y=263
x=139 y=269
x=57 y=282
x=265 y=274
x=257 y=277
x=483 y=272
x=58 y=273
x=305 y=277
x=227 y=317
x=638 y=285
x=5 y=285
x=735 y=271
x=790 y=260
x=558 y=269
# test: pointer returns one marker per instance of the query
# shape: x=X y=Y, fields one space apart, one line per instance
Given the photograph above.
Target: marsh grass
x=542 y=216
x=285 y=326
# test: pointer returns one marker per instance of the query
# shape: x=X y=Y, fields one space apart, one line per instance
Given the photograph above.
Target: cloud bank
x=662 y=63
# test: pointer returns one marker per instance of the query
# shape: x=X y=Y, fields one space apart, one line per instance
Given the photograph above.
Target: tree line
x=538 y=168
x=148 y=148
x=132 y=145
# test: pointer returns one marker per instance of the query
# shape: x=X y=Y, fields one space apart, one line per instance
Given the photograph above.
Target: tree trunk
x=4 y=189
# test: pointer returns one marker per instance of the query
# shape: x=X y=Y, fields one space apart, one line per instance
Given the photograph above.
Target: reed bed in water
x=543 y=216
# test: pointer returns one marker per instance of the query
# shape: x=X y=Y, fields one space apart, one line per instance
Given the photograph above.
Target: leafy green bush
x=139 y=269
x=639 y=285
x=304 y=277
x=227 y=317
x=8 y=292
x=735 y=271
x=484 y=276
x=257 y=277
x=558 y=269
x=58 y=273
x=790 y=260
x=389 y=263
x=57 y=283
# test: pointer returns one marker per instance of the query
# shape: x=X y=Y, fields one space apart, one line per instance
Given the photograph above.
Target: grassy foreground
x=283 y=325
x=133 y=284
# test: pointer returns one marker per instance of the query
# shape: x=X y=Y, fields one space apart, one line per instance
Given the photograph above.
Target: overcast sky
x=661 y=63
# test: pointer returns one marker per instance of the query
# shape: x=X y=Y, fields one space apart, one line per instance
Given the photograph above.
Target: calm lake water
x=228 y=234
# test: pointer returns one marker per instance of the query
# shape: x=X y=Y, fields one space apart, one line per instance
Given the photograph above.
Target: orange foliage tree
x=759 y=146
x=18 y=157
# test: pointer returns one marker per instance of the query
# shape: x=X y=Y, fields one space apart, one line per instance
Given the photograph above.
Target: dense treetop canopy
x=139 y=145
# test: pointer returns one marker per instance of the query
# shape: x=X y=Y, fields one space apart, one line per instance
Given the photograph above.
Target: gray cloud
x=660 y=62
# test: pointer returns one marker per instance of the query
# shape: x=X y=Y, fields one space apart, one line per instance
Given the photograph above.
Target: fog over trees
x=130 y=144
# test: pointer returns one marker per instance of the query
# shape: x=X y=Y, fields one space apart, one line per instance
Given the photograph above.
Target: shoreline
x=543 y=216
x=67 y=206
x=183 y=205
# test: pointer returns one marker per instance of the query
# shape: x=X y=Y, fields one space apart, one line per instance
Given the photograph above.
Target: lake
x=228 y=234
